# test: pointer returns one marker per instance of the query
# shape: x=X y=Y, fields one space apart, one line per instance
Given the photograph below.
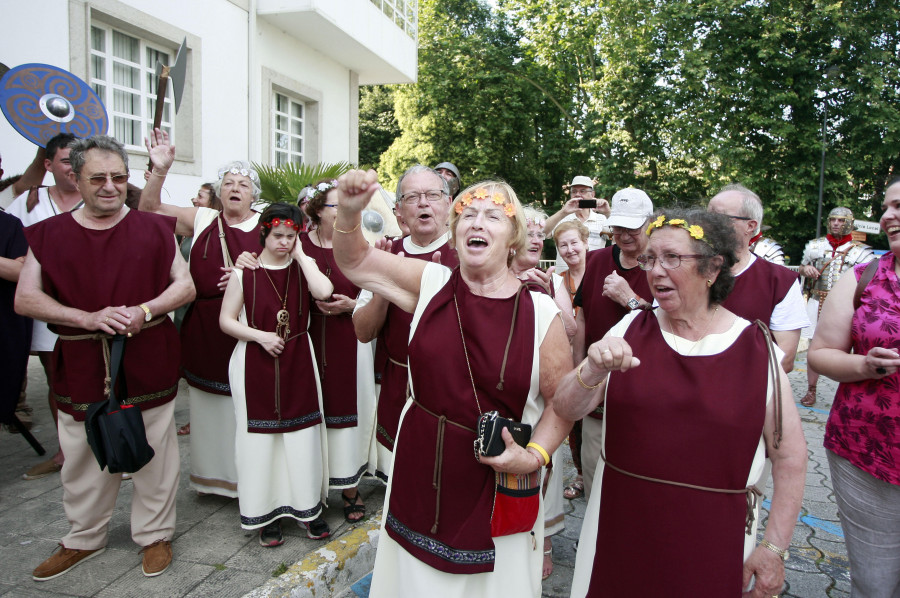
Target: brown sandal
x=575 y=489
x=809 y=399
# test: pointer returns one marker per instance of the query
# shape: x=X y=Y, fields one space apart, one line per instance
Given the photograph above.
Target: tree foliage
x=377 y=123
x=678 y=97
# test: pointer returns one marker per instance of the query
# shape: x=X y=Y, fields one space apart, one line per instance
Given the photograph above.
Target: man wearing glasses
x=613 y=285
x=588 y=209
x=120 y=273
x=33 y=206
x=423 y=202
x=762 y=290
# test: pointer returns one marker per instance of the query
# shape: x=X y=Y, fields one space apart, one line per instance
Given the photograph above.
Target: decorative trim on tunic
x=351 y=481
x=439 y=549
x=277 y=424
x=302 y=515
x=203 y=383
x=129 y=401
x=340 y=419
x=384 y=434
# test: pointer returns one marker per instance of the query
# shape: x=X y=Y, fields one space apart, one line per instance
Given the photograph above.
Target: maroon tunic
x=679 y=422
x=334 y=342
x=759 y=289
x=600 y=312
x=436 y=481
x=206 y=349
x=87 y=269
x=395 y=338
x=281 y=392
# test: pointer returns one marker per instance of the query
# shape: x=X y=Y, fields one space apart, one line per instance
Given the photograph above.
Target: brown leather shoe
x=42 y=469
x=157 y=557
x=62 y=561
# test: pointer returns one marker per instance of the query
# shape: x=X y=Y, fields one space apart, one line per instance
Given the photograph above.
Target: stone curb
x=330 y=569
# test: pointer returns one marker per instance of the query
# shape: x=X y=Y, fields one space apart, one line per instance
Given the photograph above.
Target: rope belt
x=402 y=365
x=439 y=456
x=104 y=342
x=752 y=492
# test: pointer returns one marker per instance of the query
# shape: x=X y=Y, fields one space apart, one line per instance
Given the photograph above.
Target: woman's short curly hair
x=576 y=225
x=315 y=205
x=718 y=240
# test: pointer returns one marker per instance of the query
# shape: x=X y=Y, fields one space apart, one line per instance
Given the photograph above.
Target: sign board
x=864 y=226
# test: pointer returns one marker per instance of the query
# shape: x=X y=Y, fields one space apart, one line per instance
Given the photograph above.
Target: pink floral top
x=864 y=425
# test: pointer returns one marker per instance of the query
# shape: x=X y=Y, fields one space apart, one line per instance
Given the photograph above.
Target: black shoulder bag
x=115 y=432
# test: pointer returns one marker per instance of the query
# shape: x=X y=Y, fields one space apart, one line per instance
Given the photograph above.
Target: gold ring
x=606 y=351
x=129 y=335
x=106 y=321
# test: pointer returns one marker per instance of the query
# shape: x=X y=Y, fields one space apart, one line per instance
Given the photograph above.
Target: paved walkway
x=214 y=557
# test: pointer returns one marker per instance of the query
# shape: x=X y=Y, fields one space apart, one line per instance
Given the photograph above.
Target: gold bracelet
x=541 y=450
x=347 y=232
x=154 y=173
x=580 y=381
x=769 y=546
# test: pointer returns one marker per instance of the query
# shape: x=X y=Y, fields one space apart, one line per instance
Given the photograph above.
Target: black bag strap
x=864 y=281
x=117 y=351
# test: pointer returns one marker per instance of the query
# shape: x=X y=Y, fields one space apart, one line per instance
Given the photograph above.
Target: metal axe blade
x=177 y=73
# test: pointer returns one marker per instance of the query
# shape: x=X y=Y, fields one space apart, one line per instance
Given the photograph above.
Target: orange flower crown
x=695 y=230
x=481 y=193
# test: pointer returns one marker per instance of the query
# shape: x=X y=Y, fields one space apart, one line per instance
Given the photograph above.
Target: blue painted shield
x=41 y=101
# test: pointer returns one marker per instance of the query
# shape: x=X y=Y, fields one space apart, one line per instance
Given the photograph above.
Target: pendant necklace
x=283 y=318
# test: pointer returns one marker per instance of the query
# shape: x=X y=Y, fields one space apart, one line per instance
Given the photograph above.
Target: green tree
x=377 y=123
x=476 y=105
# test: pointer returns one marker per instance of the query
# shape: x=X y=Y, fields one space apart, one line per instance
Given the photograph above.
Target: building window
x=287 y=136
x=123 y=75
x=403 y=12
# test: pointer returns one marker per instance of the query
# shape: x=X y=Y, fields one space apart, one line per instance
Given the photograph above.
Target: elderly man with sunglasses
x=120 y=273
x=613 y=285
x=762 y=290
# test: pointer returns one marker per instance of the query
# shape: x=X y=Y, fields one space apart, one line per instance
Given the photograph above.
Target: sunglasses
x=98 y=180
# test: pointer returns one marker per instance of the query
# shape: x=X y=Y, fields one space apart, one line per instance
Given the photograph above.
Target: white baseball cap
x=630 y=208
x=582 y=180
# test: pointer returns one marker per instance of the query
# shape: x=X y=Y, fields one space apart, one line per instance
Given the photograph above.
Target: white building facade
x=271 y=81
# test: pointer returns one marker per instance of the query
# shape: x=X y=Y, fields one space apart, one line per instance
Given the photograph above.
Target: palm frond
x=283 y=183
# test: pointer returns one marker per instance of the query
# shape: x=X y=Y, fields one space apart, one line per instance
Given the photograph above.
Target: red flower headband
x=278 y=222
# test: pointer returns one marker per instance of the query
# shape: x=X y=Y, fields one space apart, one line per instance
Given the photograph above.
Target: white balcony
x=355 y=33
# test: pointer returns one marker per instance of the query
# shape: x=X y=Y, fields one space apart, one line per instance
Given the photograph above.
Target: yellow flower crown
x=481 y=193
x=695 y=230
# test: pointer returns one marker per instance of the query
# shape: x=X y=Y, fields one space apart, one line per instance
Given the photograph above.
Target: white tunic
x=213 y=468
x=519 y=557
x=709 y=345
x=279 y=475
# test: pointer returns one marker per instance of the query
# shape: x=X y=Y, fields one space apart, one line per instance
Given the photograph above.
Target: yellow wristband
x=347 y=232
x=580 y=381
x=539 y=449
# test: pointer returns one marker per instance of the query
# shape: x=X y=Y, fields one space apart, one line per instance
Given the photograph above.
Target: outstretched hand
x=162 y=155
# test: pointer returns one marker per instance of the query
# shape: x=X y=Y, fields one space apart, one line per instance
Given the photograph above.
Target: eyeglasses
x=669 y=261
x=330 y=205
x=737 y=217
x=413 y=196
x=541 y=236
x=98 y=180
